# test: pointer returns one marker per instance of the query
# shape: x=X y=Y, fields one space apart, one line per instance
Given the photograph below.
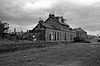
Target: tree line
x=3 y=29
x=4 y=33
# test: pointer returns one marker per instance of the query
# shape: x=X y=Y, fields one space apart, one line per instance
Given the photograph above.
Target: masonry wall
x=57 y=35
x=81 y=34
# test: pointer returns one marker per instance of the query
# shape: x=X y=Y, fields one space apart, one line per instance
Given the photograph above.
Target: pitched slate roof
x=62 y=23
x=46 y=25
x=78 y=29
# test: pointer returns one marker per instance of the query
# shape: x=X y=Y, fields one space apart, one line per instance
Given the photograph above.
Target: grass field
x=77 y=54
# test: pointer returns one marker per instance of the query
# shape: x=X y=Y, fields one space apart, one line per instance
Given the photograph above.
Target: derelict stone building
x=53 y=28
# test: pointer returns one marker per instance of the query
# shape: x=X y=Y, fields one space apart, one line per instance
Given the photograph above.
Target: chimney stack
x=52 y=14
x=40 y=20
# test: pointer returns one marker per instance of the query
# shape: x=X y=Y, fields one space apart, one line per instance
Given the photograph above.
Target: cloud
x=79 y=13
x=37 y=5
x=92 y=27
x=94 y=32
x=83 y=2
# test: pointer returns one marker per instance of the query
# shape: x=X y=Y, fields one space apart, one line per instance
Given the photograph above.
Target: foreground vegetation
x=77 y=54
x=24 y=45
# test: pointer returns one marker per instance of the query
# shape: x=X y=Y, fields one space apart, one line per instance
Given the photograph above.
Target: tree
x=3 y=28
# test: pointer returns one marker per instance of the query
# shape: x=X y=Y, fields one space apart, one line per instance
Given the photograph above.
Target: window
x=50 y=37
x=77 y=34
x=65 y=37
x=57 y=35
x=60 y=35
x=71 y=37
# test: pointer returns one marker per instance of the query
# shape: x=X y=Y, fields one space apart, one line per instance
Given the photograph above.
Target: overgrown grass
x=78 y=54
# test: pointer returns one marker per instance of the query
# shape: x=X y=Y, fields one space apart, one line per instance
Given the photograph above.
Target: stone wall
x=57 y=35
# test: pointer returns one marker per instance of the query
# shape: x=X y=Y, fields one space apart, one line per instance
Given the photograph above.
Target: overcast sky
x=25 y=13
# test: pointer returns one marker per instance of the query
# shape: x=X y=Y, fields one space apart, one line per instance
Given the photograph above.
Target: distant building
x=92 y=37
x=80 y=33
x=53 y=29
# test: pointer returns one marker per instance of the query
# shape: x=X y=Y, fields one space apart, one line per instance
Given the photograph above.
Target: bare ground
x=77 y=54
